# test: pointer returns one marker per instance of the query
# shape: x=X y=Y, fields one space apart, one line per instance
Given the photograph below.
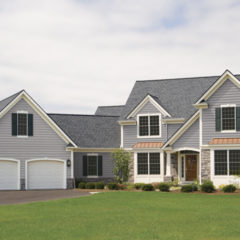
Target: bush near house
x=99 y=185
x=164 y=187
x=121 y=186
x=229 y=188
x=207 y=186
x=90 y=185
x=147 y=187
x=112 y=186
x=189 y=188
x=81 y=185
x=139 y=186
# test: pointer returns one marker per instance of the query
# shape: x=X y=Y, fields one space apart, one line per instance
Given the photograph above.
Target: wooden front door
x=191 y=167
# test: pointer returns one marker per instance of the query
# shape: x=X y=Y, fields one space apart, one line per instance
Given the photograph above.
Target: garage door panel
x=45 y=174
x=8 y=175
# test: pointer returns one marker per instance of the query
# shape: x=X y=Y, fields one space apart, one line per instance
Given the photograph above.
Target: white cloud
x=72 y=56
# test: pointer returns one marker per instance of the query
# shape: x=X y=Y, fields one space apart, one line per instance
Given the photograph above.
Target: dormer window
x=22 y=124
x=149 y=125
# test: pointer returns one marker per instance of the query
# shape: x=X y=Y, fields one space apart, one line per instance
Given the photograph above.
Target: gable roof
x=90 y=131
x=8 y=103
x=177 y=95
x=109 y=110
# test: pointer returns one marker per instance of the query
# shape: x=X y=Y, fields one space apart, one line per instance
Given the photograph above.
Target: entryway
x=191 y=167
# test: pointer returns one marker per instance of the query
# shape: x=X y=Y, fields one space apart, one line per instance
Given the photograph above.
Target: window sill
x=19 y=136
x=92 y=176
x=156 y=136
x=228 y=131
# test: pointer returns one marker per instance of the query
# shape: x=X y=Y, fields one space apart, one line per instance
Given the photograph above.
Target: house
x=186 y=128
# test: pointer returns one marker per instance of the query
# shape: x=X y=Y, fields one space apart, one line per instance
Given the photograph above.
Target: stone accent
x=205 y=164
x=131 y=172
x=70 y=183
x=168 y=178
x=174 y=164
x=22 y=184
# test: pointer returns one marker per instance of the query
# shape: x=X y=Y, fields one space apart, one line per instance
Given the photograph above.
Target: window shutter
x=85 y=173
x=30 y=124
x=14 y=124
x=218 y=119
x=238 y=118
x=99 y=165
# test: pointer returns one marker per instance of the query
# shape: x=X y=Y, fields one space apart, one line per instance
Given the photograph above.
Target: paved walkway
x=16 y=197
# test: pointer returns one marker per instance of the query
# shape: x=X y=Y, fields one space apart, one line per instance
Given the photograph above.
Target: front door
x=191 y=167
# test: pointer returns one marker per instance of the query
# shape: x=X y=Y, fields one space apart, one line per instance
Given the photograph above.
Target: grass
x=125 y=215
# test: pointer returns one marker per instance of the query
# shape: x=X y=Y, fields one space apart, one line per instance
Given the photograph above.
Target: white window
x=148 y=163
x=149 y=125
x=228 y=118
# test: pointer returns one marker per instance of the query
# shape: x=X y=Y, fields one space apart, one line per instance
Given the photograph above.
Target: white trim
x=221 y=146
x=185 y=149
x=46 y=159
x=19 y=170
x=148 y=115
x=77 y=149
x=72 y=164
x=21 y=111
x=127 y=122
x=235 y=118
x=121 y=127
x=40 y=111
x=178 y=134
x=173 y=120
x=226 y=75
x=148 y=98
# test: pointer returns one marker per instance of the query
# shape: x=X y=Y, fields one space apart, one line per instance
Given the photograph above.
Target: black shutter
x=14 y=124
x=238 y=118
x=30 y=124
x=100 y=166
x=85 y=172
x=218 y=119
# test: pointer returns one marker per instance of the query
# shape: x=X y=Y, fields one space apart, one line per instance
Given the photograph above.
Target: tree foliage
x=121 y=160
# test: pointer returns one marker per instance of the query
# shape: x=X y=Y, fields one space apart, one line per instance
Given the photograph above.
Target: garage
x=9 y=175
x=46 y=174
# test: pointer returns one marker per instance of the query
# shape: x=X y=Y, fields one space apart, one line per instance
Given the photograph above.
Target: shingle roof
x=6 y=101
x=176 y=96
x=217 y=141
x=109 y=110
x=148 y=145
x=90 y=131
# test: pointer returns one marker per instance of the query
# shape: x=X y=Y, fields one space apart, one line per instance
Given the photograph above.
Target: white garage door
x=45 y=174
x=9 y=175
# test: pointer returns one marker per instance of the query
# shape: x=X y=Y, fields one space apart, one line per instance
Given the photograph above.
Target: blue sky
x=72 y=56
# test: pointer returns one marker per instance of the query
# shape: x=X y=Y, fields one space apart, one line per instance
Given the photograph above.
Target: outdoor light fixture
x=69 y=163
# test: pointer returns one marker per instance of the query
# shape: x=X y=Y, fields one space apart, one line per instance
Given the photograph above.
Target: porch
x=183 y=165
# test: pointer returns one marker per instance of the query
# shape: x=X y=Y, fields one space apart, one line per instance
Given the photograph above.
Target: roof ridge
x=17 y=93
x=111 y=106
x=182 y=78
x=75 y=114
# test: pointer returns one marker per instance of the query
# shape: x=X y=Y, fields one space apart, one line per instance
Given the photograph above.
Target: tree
x=121 y=160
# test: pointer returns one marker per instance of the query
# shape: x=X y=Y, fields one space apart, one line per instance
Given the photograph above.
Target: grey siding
x=45 y=143
x=107 y=165
x=130 y=131
x=172 y=128
x=190 y=137
x=228 y=93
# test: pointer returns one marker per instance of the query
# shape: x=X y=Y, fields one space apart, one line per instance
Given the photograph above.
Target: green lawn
x=125 y=215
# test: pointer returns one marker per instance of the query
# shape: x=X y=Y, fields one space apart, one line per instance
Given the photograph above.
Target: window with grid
x=142 y=163
x=234 y=162
x=149 y=125
x=154 y=161
x=220 y=161
x=92 y=165
x=154 y=125
x=22 y=124
x=228 y=118
x=143 y=126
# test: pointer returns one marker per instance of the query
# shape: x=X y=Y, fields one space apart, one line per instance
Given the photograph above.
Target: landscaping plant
x=139 y=186
x=81 y=185
x=112 y=186
x=207 y=186
x=229 y=188
x=164 y=187
x=99 y=185
x=90 y=185
x=147 y=187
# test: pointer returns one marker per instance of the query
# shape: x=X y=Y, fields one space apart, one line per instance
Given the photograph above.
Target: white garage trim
x=18 y=166
x=46 y=159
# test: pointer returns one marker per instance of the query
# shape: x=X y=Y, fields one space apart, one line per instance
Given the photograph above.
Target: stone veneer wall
x=174 y=165
x=131 y=173
x=205 y=164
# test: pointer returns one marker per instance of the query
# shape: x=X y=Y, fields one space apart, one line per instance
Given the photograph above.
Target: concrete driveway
x=16 y=197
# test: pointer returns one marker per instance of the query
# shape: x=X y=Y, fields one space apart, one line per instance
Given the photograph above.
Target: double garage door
x=40 y=174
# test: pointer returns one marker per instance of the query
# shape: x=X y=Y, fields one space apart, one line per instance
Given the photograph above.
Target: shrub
x=147 y=187
x=187 y=188
x=155 y=185
x=99 y=185
x=207 y=186
x=221 y=186
x=81 y=185
x=121 y=186
x=164 y=187
x=175 y=183
x=90 y=185
x=139 y=186
x=112 y=186
x=130 y=186
x=229 y=188
x=194 y=187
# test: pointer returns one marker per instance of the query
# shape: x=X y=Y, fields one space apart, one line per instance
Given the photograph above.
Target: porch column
x=168 y=167
x=162 y=165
